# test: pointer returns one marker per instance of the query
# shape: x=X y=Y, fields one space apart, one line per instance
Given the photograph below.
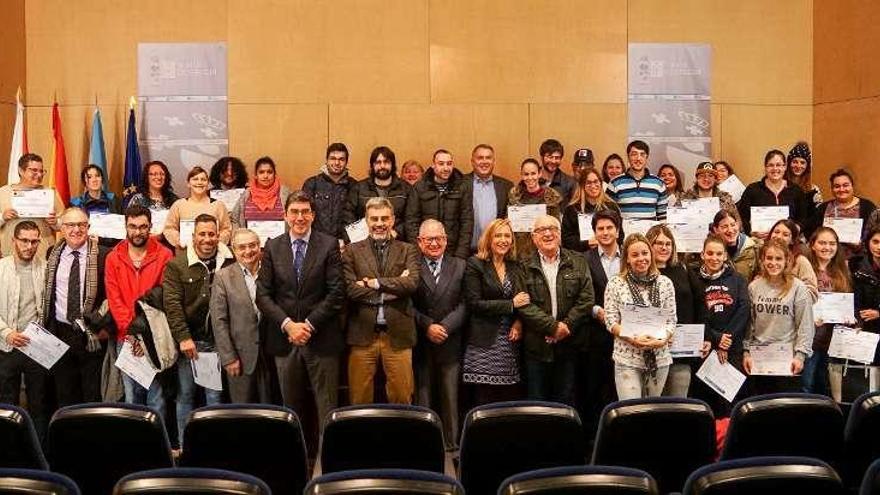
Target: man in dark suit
x=381 y=274
x=597 y=366
x=71 y=309
x=487 y=191
x=440 y=316
x=300 y=293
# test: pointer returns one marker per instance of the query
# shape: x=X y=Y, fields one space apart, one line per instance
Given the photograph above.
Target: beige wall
x=419 y=74
x=846 y=117
x=12 y=72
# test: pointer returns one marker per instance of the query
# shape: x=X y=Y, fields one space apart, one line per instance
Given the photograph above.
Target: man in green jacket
x=555 y=320
x=187 y=294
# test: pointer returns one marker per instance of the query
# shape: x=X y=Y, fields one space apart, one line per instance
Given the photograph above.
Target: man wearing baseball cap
x=582 y=160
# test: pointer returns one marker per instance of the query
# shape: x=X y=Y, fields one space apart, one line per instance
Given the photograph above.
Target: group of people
x=444 y=292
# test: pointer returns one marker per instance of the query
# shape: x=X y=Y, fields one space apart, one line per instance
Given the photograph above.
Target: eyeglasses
x=35 y=171
x=593 y=182
x=297 y=213
x=138 y=228
x=157 y=174
x=29 y=242
x=432 y=240
x=550 y=229
x=76 y=225
x=666 y=244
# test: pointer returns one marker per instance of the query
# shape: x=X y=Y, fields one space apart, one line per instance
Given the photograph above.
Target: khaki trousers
x=397 y=365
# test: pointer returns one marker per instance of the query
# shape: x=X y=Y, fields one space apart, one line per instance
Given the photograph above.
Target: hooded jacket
x=723 y=305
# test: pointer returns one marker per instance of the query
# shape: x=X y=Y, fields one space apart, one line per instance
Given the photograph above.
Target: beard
x=139 y=241
x=382 y=174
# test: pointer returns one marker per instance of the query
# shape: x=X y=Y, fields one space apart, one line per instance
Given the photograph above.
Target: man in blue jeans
x=187 y=295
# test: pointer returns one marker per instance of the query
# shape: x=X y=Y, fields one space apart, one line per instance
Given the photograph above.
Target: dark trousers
x=251 y=388
x=13 y=365
x=552 y=381
x=433 y=375
x=761 y=385
x=597 y=388
x=78 y=372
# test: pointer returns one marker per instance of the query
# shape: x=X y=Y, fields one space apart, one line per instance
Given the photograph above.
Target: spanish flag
x=59 y=176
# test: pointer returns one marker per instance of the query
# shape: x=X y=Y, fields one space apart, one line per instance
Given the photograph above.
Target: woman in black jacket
x=866 y=279
x=588 y=198
x=844 y=205
x=493 y=284
x=772 y=190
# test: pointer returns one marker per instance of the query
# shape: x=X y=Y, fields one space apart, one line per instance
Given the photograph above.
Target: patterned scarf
x=636 y=283
x=265 y=197
x=90 y=286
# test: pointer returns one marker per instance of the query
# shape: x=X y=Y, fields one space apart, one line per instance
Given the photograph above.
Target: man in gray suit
x=236 y=322
x=440 y=315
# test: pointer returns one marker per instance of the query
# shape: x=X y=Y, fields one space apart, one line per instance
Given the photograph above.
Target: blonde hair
x=631 y=240
x=484 y=246
x=652 y=235
x=579 y=197
x=787 y=275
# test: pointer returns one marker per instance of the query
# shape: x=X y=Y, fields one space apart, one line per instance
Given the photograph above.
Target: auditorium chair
x=507 y=438
x=788 y=424
x=265 y=441
x=384 y=482
x=861 y=438
x=96 y=444
x=35 y=482
x=191 y=481
x=19 y=445
x=382 y=436
x=668 y=437
x=765 y=476
x=580 y=480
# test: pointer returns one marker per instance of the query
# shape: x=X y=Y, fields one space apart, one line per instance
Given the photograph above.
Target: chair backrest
x=382 y=436
x=96 y=444
x=507 y=438
x=605 y=480
x=860 y=438
x=765 y=476
x=19 y=446
x=668 y=437
x=35 y=482
x=788 y=424
x=262 y=440
x=384 y=482
x=871 y=481
x=191 y=481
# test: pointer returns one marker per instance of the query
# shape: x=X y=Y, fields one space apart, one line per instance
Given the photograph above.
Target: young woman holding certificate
x=641 y=362
x=264 y=199
x=588 y=198
x=772 y=190
x=532 y=191
x=832 y=273
x=788 y=232
x=846 y=208
x=780 y=337
x=866 y=279
x=188 y=209
x=742 y=250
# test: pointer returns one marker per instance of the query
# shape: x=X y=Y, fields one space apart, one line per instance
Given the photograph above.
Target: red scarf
x=265 y=197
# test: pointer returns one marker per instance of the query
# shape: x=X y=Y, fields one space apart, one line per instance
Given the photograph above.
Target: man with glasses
x=134 y=268
x=555 y=320
x=31 y=172
x=640 y=194
x=440 y=315
x=22 y=275
x=72 y=309
x=329 y=191
x=300 y=294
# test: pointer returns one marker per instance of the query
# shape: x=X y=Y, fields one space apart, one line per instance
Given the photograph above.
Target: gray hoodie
x=781 y=319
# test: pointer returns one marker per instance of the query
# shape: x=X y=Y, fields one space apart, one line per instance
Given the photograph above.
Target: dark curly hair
x=238 y=170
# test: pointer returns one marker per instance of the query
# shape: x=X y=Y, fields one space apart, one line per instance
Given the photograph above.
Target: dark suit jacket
x=597 y=335
x=502 y=189
x=486 y=301
x=441 y=302
x=359 y=261
x=94 y=320
x=318 y=297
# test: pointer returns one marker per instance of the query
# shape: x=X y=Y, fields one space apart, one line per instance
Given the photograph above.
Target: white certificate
x=689 y=237
x=522 y=217
x=722 y=378
x=763 y=217
x=585 y=226
x=158 y=217
x=847 y=343
x=694 y=211
x=267 y=229
x=44 y=348
x=109 y=225
x=637 y=226
x=644 y=320
x=357 y=231
x=771 y=359
x=687 y=340
x=229 y=197
x=138 y=369
x=33 y=203
x=849 y=230
x=206 y=370
x=187 y=228
x=733 y=186
x=835 y=307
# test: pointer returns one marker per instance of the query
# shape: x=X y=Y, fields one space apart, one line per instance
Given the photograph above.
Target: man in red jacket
x=134 y=267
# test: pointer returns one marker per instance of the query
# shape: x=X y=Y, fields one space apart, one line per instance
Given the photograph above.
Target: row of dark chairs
x=97 y=444
x=754 y=476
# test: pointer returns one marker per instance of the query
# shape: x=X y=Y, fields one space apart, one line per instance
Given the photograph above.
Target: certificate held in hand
x=763 y=217
x=522 y=217
x=643 y=320
x=33 y=203
x=771 y=359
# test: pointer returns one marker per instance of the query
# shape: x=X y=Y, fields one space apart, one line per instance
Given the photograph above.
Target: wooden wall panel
x=295 y=136
x=600 y=127
x=528 y=51
x=845 y=44
x=848 y=134
x=308 y=51
x=762 y=51
x=749 y=131
x=12 y=52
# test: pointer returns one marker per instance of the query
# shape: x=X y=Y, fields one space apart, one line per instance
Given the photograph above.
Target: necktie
x=299 y=257
x=74 y=295
x=433 y=266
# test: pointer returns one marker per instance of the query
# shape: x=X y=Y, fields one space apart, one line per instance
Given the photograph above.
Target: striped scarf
x=91 y=281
